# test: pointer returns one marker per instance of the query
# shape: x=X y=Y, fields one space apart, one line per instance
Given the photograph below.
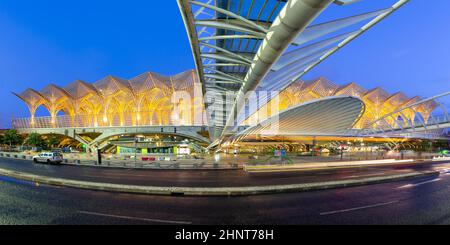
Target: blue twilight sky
x=53 y=41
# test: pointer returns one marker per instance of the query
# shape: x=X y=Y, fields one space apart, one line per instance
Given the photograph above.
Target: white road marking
x=364 y=175
x=135 y=218
x=358 y=208
x=418 y=184
x=350 y=177
x=444 y=170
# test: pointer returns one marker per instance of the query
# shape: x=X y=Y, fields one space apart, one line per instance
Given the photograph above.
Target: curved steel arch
x=326 y=116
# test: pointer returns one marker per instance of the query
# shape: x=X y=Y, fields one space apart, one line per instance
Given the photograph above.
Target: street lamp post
x=99 y=156
x=135 y=151
x=313 y=150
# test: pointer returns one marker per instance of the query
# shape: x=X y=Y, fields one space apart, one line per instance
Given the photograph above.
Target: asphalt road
x=419 y=201
x=204 y=178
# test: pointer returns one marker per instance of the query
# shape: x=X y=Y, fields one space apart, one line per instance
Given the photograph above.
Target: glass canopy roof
x=265 y=45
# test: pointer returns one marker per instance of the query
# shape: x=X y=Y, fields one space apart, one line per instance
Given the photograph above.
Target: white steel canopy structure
x=326 y=116
x=265 y=45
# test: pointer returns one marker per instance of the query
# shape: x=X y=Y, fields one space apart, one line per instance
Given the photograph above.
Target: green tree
x=53 y=141
x=36 y=140
x=12 y=138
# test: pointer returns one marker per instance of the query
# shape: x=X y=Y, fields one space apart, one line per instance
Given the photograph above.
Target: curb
x=214 y=191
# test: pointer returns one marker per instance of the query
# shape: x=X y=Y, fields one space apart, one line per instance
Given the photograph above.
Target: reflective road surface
x=418 y=201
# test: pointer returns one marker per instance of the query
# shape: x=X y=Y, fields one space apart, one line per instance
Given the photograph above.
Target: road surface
x=420 y=201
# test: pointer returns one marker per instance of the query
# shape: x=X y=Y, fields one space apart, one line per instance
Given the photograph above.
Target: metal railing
x=89 y=121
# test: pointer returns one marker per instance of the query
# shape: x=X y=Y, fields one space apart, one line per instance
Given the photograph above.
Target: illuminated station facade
x=246 y=91
x=151 y=100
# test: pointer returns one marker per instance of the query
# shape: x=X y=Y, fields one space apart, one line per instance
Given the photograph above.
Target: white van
x=48 y=157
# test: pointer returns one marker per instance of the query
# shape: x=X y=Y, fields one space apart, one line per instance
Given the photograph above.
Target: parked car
x=48 y=157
